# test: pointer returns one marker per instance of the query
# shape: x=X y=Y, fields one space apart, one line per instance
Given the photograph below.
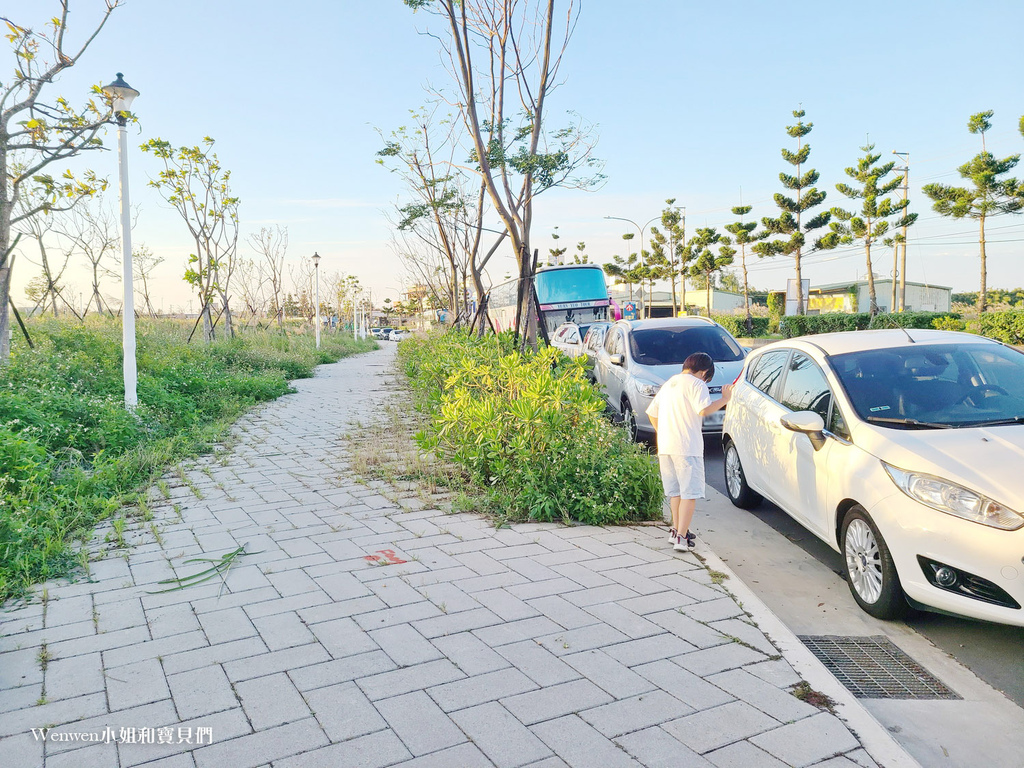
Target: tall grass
x=71 y=455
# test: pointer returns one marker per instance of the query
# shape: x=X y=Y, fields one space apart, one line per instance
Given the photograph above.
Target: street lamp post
x=121 y=96
x=316 y=269
x=641 y=231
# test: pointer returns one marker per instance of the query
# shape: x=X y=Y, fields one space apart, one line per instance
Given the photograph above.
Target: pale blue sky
x=690 y=101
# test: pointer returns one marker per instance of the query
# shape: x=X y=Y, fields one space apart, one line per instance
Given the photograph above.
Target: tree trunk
x=207 y=323
x=983 y=293
x=5 y=319
x=799 y=286
x=872 y=298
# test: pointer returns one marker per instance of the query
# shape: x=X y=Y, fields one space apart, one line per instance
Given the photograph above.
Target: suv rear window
x=671 y=346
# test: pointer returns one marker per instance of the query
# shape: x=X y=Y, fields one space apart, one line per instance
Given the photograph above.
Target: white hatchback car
x=902 y=450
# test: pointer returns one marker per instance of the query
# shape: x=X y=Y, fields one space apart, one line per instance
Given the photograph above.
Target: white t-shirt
x=677 y=408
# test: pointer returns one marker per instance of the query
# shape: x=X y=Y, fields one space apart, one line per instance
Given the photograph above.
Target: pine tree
x=743 y=235
x=672 y=237
x=872 y=222
x=790 y=222
x=989 y=196
x=706 y=263
x=581 y=257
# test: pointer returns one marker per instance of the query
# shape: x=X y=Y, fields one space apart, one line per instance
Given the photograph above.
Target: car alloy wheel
x=740 y=494
x=629 y=419
x=870 y=571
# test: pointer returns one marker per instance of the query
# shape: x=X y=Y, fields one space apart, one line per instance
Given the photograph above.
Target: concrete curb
x=875 y=738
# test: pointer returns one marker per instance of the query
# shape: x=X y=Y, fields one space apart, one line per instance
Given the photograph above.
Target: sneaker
x=691 y=541
x=681 y=545
x=672 y=536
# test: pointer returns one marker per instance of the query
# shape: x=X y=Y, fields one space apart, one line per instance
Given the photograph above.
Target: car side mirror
x=807 y=422
x=615 y=359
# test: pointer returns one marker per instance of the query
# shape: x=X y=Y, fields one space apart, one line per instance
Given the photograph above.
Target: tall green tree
x=37 y=130
x=743 y=234
x=581 y=257
x=626 y=270
x=989 y=194
x=668 y=244
x=872 y=222
x=707 y=263
x=791 y=223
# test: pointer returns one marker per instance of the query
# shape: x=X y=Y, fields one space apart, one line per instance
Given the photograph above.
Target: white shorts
x=682 y=476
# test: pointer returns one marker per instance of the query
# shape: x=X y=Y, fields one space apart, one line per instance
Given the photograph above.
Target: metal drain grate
x=875 y=668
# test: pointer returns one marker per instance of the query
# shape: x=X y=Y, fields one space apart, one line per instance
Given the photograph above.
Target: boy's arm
x=720 y=402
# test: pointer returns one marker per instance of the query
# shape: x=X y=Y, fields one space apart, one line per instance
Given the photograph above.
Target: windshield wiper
x=909 y=422
x=996 y=422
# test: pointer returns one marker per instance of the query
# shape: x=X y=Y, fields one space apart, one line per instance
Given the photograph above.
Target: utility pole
x=905 y=156
x=682 y=273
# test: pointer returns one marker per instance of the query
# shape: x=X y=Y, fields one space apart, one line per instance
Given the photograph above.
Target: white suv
x=639 y=356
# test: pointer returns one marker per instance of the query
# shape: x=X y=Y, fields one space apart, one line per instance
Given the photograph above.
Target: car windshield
x=671 y=346
x=935 y=385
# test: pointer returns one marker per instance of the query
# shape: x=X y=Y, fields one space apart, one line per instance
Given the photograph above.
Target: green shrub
x=70 y=454
x=1007 y=326
x=737 y=325
x=802 y=325
x=529 y=428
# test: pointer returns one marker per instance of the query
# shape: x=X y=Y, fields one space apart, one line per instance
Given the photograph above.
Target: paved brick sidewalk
x=364 y=632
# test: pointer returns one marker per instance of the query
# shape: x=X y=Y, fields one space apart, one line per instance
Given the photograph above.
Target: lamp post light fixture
x=316 y=268
x=641 y=230
x=121 y=96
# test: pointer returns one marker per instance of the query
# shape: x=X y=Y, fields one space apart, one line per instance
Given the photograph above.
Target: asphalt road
x=995 y=653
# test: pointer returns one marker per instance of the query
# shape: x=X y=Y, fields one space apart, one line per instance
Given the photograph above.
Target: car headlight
x=646 y=388
x=954 y=499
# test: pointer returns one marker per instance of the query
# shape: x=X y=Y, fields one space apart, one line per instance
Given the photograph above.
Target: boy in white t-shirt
x=677 y=413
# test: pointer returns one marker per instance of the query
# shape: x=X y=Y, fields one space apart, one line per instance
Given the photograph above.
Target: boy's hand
x=727 y=392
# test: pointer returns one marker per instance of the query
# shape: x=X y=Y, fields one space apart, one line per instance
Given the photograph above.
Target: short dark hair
x=699 y=362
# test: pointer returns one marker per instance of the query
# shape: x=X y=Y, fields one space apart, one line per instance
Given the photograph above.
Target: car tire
x=869 y=568
x=629 y=419
x=740 y=494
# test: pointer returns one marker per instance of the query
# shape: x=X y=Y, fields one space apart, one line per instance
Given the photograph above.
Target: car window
x=805 y=387
x=671 y=346
x=614 y=343
x=836 y=424
x=765 y=372
x=572 y=336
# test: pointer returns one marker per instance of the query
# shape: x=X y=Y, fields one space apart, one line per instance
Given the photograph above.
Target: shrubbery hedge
x=1007 y=327
x=800 y=325
x=70 y=454
x=529 y=428
x=737 y=325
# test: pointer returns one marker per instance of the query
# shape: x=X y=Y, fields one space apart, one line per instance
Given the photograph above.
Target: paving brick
x=201 y=692
x=583 y=639
x=214 y=654
x=263 y=746
x=562 y=612
x=680 y=583
x=80 y=646
x=480 y=689
x=450 y=624
x=648 y=649
x=289 y=604
x=531 y=569
x=94 y=756
x=690 y=630
x=271 y=700
x=655 y=748
x=20 y=667
x=713 y=728
x=372 y=751
x=505 y=605
x=682 y=684
x=341 y=670
x=387 y=617
x=343 y=637
x=171 y=620
x=627 y=622
x=344 y=711
x=530 y=590
x=641 y=585
x=747 y=633
x=609 y=593
x=500 y=736
x=493 y=581
x=224 y=626
x=771 y=700
x=582 y=575
x=581 y=746
x=77 y=676
x=516 y=631
x=341 y=586
x=555 y=701
x=607 y=673
x=275 y=661
x=55 y=712
x=283 y=630
x=120 y=615
x=742 y=754
x=778 y=672
x=330 y=611
x=420 y=723
x=409 y=679
x=404 y=645
x=463 y=756
x=469 y=653
x=134 y=684
x=807 y=741
x=636 y=713
x=537 y=663
x=448 y=598
x=718 y=659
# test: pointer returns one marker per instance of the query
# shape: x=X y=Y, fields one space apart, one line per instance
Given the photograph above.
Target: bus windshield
x=561 y=286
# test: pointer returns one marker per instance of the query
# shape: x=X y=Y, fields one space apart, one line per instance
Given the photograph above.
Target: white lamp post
x=121 y=96
x=316 y=268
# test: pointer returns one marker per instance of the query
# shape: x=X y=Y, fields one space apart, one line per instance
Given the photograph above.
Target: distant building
x=854 y=297
x=722 y=302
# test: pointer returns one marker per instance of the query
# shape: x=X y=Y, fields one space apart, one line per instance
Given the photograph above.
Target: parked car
x=592 y=343
x=638 y=356
x=398 y=334
x=903 y=451
x=382 y=333
x=568 y=338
